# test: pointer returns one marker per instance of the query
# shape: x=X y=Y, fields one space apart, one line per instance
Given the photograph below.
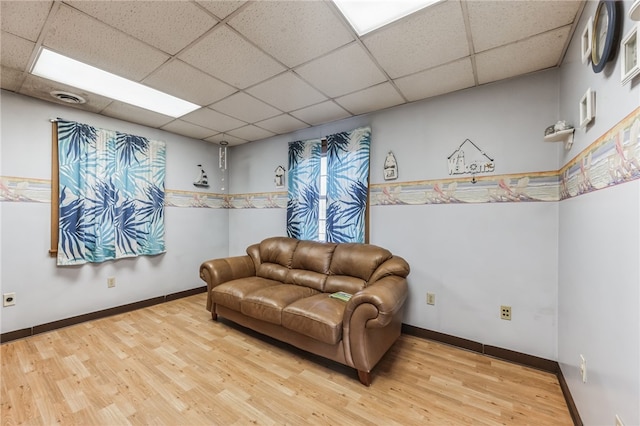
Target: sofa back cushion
x=276 y=255
x=352 y=266
x=345 y=283
x=326 y=267
x=357 y=260
x=304 y=278
x=313 y=256
x=310 y=264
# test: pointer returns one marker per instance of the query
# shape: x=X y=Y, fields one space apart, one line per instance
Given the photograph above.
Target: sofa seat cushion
x=318 y=317
x=267 y=303
x=231 y=293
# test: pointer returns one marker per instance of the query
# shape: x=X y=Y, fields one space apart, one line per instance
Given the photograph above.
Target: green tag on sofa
x=341 y=295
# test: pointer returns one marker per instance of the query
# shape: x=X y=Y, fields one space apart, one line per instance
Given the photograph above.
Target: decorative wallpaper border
x=25 y=189
x=264 y=200
x=536 y=186
x=614 y=158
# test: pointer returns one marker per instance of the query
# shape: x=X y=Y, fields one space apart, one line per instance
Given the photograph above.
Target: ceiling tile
x=24 y=18
x=16 y=51
x=211 y=119
x=85 y=39
x=286 y=92
x=495 y=23
x=245 y=108
x=282 y=124
x=227 y=56
x=250 y=133
x=232 y=140
x=10 y=79
x=187 y=129
x=437 y=81
x=428 y=38
x=372 y=99
x=167 y=25
x=184 y=81
x=321 y=113
x=533 y=54
x=344 y=71
x=41 y=88
x=127 y=112
x=292 y=31
x=221 y=9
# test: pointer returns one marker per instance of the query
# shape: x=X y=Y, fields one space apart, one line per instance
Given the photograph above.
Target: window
x=322 y=203
x=329 y=187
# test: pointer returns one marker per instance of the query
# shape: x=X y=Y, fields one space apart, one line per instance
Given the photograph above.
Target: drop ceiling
x=263 y=68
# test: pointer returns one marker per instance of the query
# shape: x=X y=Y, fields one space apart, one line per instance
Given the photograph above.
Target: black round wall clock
x=603 y=41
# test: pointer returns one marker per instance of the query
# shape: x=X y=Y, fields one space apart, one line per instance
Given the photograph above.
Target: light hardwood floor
x=170 y=364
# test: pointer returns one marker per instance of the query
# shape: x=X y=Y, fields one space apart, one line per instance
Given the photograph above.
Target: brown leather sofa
x=283 y=286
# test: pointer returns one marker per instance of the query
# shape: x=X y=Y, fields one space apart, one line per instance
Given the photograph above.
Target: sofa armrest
x=217 y=271
x=373 y=320
x=387 y=296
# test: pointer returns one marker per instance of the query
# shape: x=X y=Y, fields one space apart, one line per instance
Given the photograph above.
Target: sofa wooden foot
x=214 y=316
x=365 y=377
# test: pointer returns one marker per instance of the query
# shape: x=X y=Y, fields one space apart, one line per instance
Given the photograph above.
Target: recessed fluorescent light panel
x=62 y=69
x=368 y=15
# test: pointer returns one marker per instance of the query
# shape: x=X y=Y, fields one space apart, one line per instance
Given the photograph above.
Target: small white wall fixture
x=278 y=179
x=634 y=11
x=586 y=41
x=390 y=167
x=629 y=51
x=587 y=110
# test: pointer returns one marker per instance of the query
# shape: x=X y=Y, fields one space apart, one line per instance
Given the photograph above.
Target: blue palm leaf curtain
x=304 y=189
x=347 y=186
x=111 y=194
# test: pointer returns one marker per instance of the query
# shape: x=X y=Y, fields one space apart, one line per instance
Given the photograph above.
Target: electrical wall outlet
x=505 y=312
x=431 y=299
x=618 y=421
x=111 y=282
x=583 y=368
x=8 y=299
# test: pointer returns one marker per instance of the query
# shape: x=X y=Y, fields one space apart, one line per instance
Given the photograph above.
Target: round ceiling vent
x=70 y=98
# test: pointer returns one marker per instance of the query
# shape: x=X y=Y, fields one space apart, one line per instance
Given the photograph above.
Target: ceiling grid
x=262 y=68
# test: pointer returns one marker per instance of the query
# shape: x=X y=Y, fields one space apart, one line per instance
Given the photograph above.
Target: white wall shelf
x=565 y=136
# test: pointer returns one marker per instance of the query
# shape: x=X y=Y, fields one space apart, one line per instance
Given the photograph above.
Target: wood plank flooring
x=169 y=364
